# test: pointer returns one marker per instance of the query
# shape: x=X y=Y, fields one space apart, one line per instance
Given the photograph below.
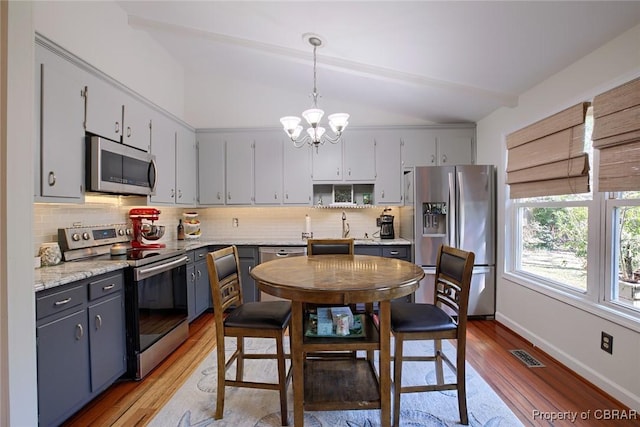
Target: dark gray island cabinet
x=81 y=343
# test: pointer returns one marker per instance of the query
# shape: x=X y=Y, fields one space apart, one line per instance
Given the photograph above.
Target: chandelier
x=315 y=135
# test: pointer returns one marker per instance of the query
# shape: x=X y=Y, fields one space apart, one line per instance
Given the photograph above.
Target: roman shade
x=547 y=157
x=616 y=133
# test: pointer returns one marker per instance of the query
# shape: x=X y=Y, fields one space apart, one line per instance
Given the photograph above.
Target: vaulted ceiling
x=441 y=62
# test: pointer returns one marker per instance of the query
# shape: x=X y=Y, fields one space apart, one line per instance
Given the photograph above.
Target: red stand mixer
x=146 y=231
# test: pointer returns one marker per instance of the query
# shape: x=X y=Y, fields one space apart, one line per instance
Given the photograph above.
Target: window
x=623 y=276
x=551 y=234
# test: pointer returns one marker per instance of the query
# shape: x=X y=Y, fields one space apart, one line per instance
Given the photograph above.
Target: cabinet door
x=163 y=146
x=359 y=156
x=297 y=174
x=202 y=288
x=137 y=124
x=104 y=109
x=186 y=166
x=107 y=341
x=455 y=150
x=62 y=136
x=211 y=173
x=268 y=169
x=248 y=256
x=327 y=162
x=191 y=290
x=239 y=169
x=388 y=185
x=63 y=367
x=418 y=147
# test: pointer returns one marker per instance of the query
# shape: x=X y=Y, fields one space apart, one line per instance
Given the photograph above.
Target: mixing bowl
x=152 y=232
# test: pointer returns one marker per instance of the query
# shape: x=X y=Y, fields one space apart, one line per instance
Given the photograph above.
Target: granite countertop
x=67 y=272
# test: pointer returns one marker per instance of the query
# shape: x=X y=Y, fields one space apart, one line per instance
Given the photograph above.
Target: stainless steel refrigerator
x=455 y=206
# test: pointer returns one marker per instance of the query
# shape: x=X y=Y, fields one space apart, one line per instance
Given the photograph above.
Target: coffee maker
x=386 y=226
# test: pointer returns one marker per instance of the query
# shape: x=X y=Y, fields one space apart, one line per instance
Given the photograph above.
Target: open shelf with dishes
x=350 y=196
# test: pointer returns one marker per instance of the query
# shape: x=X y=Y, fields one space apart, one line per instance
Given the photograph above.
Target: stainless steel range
x=155 y=290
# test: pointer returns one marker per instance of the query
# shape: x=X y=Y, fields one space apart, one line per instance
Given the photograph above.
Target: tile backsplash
x=216 y=223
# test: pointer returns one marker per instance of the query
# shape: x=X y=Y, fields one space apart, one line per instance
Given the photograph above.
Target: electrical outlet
x=234 y=222
x=606 y=342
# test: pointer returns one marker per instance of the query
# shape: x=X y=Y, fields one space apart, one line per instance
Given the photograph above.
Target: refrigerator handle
x=460 y=206
x=452 y=210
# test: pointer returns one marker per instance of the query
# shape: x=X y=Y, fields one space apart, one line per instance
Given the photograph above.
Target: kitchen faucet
x=345 y=226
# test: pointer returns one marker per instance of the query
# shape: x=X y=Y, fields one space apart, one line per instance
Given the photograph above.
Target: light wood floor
x=552 y=389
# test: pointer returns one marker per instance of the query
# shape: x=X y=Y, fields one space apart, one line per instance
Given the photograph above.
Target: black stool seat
x=411 y=317
x=260 y=315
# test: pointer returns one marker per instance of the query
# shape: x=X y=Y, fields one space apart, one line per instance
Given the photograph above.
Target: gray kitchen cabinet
x=198 y=291
x=80 y=336
x=359 y=154
x=326 y=162
x=455 y=148
x=388 y=184
x=402 y=252
x=268 y=168
x=418 y=147
x=60 y=132
x=248 y=256
x=239 y=168
x=186 y=166
x=211 y=168
x=297 y=174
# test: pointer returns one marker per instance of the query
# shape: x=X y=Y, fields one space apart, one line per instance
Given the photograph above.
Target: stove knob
x=121 y=232
x=85 y=236
x=75 y=237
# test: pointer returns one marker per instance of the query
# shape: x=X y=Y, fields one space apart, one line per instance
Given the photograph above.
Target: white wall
x=98 y=32
x=566 y=332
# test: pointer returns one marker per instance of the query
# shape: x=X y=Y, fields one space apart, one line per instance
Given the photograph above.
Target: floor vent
x=527 y=359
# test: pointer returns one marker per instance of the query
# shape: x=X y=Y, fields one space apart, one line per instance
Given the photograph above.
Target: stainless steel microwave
x=120 y=169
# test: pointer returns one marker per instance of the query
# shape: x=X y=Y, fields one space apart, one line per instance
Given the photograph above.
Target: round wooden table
x=331 y=280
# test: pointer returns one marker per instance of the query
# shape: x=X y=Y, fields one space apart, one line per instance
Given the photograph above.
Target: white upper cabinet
x=268 y=168
x=59 y=122
x=388 y=185
x=239 y=169
x=297 y=174
x=327 y=162
x=186 y=166
x=163 y=143
x=211 y=168
x=104 y=105
x=359 y=156
x=418 y=148
x=438 y=146
x=137 y=124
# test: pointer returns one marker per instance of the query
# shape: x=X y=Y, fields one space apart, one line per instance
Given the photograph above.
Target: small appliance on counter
x=386 y=226
x=143 y=231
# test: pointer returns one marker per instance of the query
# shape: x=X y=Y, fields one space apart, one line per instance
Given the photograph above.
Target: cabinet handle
x=200 y=256
x=382 y=194
x=199 y=274
x=63 y=302
x=286 y=196
x=337 y=171
x=275 y=196
x=108 y=287
x=229 y=195
x=193 y=277
x=117 y=127
x=394 y=252
x=98 y=321
x=173 y=193
x=79 y=332
x=52 y=179
x=179 y=194
x=433 y=158
x=349 y=172
x=218 y=195
x=444 y=158
x=128 y=131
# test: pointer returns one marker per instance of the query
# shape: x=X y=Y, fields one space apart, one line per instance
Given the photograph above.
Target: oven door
x=157 y=307
x=120 y=169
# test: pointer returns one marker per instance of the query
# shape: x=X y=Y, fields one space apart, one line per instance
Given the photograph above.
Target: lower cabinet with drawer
x=388 y=251
x=81 y=344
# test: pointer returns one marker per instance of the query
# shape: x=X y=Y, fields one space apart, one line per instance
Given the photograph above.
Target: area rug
x=193 y=405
